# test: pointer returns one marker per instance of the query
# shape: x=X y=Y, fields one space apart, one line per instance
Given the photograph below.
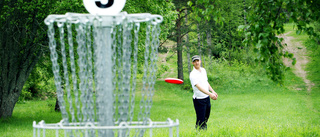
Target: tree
x=187 y=43
x=23 y=39
x=21 y=46
x=163 y=8
x=266 y=20
x=304 y=15
x=179 y=32
x=23 y=43
x=206 y=15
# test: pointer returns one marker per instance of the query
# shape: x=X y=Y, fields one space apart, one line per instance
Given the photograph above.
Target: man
x=201 y=93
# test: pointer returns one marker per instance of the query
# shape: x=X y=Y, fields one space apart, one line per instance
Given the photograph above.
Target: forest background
x=236 y=31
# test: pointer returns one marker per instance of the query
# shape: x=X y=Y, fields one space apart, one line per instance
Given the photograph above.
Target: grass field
x=261 y=109
x=249 y=104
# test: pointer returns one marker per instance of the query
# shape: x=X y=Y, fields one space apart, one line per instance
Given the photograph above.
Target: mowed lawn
x=262 y=108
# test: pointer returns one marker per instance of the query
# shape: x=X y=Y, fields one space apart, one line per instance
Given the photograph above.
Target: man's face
x=196 y=64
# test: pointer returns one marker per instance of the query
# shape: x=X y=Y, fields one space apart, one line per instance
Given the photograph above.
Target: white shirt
x=197 y=77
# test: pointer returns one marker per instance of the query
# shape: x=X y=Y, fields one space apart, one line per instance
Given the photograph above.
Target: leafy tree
x=304 y=15
x=24 y=41
x=266 y=20
x=179 y=31
x=163 y=8
x=21 y=45
x=218 y=21
x=187 y=44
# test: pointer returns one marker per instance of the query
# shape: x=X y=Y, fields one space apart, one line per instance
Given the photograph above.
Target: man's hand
x=213 y=96
x=215 y=93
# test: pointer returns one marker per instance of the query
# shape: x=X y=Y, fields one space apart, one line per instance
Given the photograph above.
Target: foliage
x=163 y=8
x=226 y=39
x=41 y=76
x=303 y=15
x=222 y=19
x=266 y=20
x=223 y=73
x=162 y=69
x=21 y=45
x=38 y=82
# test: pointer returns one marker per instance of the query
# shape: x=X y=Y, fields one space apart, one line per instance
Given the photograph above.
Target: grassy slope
x=249 y=104
x=265 y=110
x=312 y=68
x=314 y=72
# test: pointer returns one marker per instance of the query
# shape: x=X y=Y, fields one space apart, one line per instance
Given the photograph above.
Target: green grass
x=269 y=110
x=24 y=113
x=266 y=110
x=314 y=72
x=313 y=66
x=260 y=109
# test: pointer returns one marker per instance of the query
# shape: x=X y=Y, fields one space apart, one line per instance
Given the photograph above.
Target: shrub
x=230 y=74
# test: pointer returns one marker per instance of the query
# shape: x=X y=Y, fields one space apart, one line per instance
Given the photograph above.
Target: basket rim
x=95 y=125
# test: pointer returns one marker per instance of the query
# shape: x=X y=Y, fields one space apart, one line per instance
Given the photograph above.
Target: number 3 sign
x=104 y=7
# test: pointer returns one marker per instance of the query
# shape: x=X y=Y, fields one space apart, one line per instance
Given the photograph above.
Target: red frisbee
x=173 y=80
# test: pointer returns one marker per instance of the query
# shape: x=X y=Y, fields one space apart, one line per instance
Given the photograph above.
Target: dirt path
x=300 y=53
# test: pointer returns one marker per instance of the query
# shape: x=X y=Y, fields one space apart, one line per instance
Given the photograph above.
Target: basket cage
x=95 y=63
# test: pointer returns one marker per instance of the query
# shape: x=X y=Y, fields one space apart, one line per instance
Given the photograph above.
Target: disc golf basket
x=95 y=66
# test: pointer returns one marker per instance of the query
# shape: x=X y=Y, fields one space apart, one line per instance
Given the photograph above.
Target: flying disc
x=173 y=80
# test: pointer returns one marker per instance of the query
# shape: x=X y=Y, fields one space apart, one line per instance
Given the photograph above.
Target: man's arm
x=211 y=95
x=211 y=89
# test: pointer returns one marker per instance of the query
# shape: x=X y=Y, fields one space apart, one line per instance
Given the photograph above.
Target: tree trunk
x=209 y=41
x=57 y=107
x=199 y=41
x=14 y=72
x=203 y=60
x=245 y=23
x=208 y=38
x=187 y=44
x=179 y=46
x=18 y=53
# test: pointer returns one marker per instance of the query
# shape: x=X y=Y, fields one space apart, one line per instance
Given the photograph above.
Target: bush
x=162 y=69
x=25 y=95
x=39 y=90
x=187 y=84
x=230 y=74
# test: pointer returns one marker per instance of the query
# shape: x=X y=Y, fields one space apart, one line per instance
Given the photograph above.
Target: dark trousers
x=202 y=108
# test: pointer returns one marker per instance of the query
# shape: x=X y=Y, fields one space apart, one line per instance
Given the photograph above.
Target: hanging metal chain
x=90 y=100
x=82 y=113
x=115 y=63
x=153 y=63
x=56 y=69
x=149 y=72
x=120 y=68
x=144 y=102
x=64 y=59
x=73 y=72
x=141 y=116
x=97 y=62
x=101 y=82
x=99 y=73
x=134 y=68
